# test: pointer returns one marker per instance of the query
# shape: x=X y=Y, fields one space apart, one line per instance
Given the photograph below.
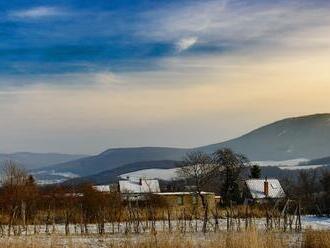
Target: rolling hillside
x=324 y=161
x=301 y=137
x=114 y=158
x=32 y=161
x=111 y=176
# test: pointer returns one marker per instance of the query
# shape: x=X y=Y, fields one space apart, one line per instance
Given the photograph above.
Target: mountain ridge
x=33 y=160
x=289 y=138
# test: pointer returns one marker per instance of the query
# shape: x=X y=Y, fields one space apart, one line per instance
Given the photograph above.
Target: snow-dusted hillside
x=283 y=163
x=162 y=174
x=171 y=174
x=292 y=164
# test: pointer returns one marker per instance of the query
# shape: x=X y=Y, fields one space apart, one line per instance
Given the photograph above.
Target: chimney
x=266 y=188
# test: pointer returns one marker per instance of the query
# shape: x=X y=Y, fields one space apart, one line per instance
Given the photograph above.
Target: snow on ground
x=292 y=164
x=314 y=222
x=308 y=222
x=51 y=177
x=50 y=181
x=301 y=167
x=162 y=174
x=283 y=163
x=55 y=173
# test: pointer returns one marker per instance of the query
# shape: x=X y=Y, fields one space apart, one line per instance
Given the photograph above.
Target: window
x=179 y=200
x=194 y=200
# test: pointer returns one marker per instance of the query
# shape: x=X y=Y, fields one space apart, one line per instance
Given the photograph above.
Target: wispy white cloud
x=186 y=43
x=37 y=12
x=251 y=27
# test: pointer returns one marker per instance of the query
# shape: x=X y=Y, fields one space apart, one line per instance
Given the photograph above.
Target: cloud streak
x=186 y=43
x=37 y=13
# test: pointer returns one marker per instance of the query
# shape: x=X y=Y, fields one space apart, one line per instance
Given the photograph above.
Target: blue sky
x=131 y=73
x=72 y=36
x=41 y=37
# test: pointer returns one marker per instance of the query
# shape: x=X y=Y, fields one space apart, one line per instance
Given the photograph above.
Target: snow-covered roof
x=102 y=188
x=139 y=186
x=256 y=188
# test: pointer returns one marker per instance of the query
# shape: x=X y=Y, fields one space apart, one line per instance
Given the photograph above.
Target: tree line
x=24 y=203
x=312 y=189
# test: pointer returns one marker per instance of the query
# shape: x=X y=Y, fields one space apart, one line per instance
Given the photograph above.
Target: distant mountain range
x=114 y=158
x=324 y=161
x=32 y=161
x=300 y=137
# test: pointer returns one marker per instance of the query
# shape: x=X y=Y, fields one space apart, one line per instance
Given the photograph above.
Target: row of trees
x=312 y=189
x=219 y=172
x=23 y=202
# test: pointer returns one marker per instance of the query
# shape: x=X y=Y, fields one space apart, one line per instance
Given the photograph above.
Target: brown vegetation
x=245 y=239
x=316 y=239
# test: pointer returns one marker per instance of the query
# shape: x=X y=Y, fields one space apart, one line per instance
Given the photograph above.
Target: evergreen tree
x=255 y=171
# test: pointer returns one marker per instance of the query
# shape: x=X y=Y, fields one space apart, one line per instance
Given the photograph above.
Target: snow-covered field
x=320 y=223
x=308 y=222
x=301 y=167
x=163 y=174
x=52 y=177
x=121 y=238
x=293 y=164
x=283 y=163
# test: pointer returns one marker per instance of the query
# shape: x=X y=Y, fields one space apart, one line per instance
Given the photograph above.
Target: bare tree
x=232 y=165
x=18 y=190
x=306 y=190
x=200 y=169
x=325 y=183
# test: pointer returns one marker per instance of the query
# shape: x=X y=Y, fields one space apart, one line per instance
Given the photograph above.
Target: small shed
x=263 y=190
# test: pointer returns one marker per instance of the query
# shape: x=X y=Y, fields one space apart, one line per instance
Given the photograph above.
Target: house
x=141 y=189
x=186 y=200
x=102 y=188
x=137 y=188
x=263 y=190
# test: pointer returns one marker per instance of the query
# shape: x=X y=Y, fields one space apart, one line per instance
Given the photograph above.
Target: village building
x=133 y=189
x=263 y=190
x=140 y=189
x=187 y=200
x=102 y=188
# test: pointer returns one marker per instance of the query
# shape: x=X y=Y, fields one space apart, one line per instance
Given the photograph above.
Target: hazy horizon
x=82 y=77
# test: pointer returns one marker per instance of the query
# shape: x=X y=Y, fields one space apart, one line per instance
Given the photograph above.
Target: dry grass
x=247 y=239
x=244 y=239
x=316 y=239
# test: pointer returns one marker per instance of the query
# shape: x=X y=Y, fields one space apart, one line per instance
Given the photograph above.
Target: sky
x=85 y=76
